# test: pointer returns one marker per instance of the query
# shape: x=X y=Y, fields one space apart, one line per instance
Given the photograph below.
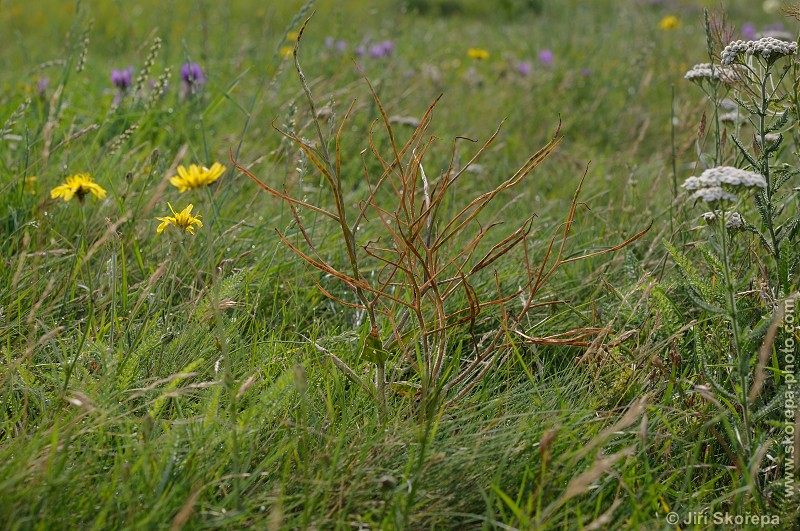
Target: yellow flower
x=669 y=23
x=78 y=185
x=477 y=53
x=292 y=36
x=196 y=176
x=183 y=220
x=286 y=52
x=29 y=184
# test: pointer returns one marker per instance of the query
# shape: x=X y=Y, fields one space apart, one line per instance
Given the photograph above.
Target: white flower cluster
x=732 y=114
x=705 y=71
x=732 y=117
x=734 y=222
x=769 y=48
x=725 y=175
x=771 y=138
x=711 y=186
x=713 y=194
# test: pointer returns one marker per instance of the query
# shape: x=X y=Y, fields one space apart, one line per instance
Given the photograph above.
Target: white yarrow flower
x=713 y=194
x=710 y=217
x=718 y=184
x=769 y=48
x=734 y=222
x=691 y=183
x=733 y=117
x=712 y=73
x=726 y=176
x=770 y=138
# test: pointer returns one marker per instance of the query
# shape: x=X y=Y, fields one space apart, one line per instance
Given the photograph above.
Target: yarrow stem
x=762 y=131
x=743 y=358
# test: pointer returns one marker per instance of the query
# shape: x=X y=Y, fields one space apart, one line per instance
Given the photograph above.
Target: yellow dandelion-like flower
x=477 y=53
x=183 y=220
x=292 y=36
x=286 y=52
x=669 y=22
x=78 y=185
x=196 y=176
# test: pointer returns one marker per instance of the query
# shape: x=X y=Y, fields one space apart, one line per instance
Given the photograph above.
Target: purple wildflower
x=122 y=79
x=42 y=85
x=361 y=49
x=192 y=75
x=546 y=57
x=382 y=49
x=340 y=45
x=749 y=31
x=586 y=72
x=524 y=67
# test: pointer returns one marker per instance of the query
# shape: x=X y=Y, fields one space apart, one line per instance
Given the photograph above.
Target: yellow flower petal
x=477 y=53
x=183 y=220
x=80 y=185
x=196 y=176
x=669 y=22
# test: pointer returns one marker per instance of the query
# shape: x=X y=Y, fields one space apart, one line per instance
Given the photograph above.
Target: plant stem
x=349 y=235
x=762 y=132
x=380 y=387
x=741 y=357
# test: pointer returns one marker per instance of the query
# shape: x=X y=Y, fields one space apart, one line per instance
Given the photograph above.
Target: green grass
x=168 y=381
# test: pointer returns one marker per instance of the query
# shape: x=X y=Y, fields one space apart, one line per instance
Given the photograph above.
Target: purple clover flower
x=376 y=51
x=122 y=79
x=388 y=47
x=524 y=67
x=341 y=45
x=192 y=75
x=382 y=49
x=749 y=31
x=329 y=42
x=361 y=49
x=546 y=57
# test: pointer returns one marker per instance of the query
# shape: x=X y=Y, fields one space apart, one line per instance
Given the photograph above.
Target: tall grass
x=575 y=375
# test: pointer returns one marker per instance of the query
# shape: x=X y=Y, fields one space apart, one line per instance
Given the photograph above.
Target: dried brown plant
x=416 y=282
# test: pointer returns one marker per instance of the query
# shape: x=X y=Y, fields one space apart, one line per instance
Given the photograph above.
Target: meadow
x=419 y=264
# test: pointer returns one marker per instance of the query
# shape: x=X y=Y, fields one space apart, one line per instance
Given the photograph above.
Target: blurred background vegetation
x=115 y=412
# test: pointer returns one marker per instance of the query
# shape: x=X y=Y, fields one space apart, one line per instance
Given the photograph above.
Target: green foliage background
x=115 y=409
